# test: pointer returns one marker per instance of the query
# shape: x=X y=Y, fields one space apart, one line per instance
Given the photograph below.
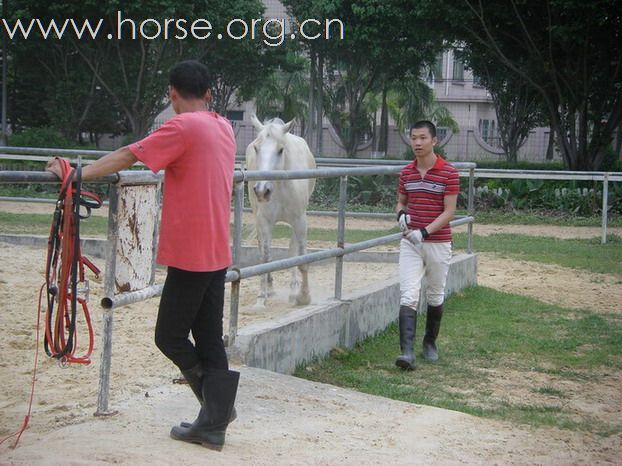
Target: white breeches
x=416 y=261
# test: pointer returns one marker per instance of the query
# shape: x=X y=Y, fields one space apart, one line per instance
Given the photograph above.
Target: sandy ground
x=283 y=420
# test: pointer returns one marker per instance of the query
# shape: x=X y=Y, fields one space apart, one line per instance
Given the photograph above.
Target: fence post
x=107 y=319
x=233 y=313
x=238 y=206
x=470 y=210
x=605 y=207
x=341 y=233
x=234 y=303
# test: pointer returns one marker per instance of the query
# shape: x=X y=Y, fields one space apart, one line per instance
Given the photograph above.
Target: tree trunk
x=319 y=77
x=311 y=134
x=619 y=142
x=384 y=123
x=550 y=149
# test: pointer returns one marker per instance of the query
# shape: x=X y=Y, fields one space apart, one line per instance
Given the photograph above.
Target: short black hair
x=424 y=124
x=191 y=79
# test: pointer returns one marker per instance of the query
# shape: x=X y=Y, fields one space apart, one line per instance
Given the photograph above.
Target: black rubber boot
x=408 y=327
x=194 y=377
x=432 y=327
x=219 y=390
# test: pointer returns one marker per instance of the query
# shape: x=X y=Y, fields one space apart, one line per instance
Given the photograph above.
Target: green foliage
x=583 y=109
x=412 y=99
x=95 y=86
x=365 y=193
x=42 y=137
x=359 y=64
x=519 y=165
x=285 y=93
x=372 y=190
x=575 y=197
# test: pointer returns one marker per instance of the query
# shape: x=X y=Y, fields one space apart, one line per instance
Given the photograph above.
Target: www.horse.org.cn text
x=271 y=31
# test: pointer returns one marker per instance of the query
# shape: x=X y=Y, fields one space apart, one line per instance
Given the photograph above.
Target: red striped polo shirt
x=426 y=195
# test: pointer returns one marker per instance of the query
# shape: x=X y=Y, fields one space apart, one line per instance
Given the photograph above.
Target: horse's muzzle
x=263 y=190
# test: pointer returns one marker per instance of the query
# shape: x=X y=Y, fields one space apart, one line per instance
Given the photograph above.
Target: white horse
x=275 y=148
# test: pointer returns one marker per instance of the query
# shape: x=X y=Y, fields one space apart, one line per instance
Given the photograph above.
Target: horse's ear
x=287 y=126
x=256 y=123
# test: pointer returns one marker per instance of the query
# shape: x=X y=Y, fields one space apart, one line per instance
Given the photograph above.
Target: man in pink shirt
x=196 y=149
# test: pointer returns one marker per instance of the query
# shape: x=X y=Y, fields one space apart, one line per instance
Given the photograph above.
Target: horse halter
x=65 y=270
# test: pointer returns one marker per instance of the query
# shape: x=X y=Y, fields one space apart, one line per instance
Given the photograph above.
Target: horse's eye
x=281 y=151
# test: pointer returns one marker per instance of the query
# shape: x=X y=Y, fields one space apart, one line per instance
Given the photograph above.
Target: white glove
x=403 y=219
x=414 y=236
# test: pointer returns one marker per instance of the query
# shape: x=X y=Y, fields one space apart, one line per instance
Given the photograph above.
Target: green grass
x=584 y=254
x=501 y=217
x=487 y=335
x=39 y=224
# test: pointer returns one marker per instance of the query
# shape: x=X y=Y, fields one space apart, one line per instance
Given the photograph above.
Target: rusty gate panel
x=138 y=213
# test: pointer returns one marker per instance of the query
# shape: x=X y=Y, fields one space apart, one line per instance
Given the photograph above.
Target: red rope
x=24 y=426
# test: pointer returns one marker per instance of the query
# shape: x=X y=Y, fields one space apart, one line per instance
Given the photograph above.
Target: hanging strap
x=65 y=279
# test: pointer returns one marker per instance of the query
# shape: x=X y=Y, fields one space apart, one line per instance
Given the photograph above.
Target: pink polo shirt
x=196 y=150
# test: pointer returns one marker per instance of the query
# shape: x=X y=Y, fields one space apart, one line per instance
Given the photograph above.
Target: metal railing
x=235 y=274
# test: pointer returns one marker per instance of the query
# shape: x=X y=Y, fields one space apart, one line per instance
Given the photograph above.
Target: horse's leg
x=299 y=244
x=264 y=240
x=293 y=280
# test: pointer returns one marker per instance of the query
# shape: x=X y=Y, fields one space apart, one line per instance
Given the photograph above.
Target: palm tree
x=285 y=93
x=412 y=99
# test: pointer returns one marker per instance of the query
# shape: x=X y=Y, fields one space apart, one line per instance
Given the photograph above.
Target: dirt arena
x=67 y=396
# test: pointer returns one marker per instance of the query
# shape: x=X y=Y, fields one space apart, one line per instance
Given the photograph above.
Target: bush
x=41 y=137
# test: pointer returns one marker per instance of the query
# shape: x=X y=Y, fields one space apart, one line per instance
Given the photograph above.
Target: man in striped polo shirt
x=427 y=194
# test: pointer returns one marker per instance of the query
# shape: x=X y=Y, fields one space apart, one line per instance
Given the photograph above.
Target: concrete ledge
x=300 y=336
x=90 y=246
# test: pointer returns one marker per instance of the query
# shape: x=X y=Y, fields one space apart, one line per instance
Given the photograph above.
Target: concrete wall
x=304 y=334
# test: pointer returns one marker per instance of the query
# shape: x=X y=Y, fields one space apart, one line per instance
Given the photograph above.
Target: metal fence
x=112 y=299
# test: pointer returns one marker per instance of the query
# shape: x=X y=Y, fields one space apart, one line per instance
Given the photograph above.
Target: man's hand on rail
x=414 y=236
x=403 y=219
x=54 y=166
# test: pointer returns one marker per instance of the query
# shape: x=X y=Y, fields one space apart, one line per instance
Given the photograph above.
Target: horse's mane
x=269 y=126
x=275 y=120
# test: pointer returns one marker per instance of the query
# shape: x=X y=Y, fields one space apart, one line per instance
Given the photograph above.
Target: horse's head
x=270 y=149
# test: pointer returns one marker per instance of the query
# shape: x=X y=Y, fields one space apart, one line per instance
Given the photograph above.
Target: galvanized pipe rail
x=235 y=275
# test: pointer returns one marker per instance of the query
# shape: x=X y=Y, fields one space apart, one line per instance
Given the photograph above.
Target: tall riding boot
x=408 y=327
x=219 y=390
x=432 y=327
x=194 y=377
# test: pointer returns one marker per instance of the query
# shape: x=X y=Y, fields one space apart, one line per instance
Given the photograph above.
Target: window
x=488 y=131
x=458 y=70
x=441 y=133
x=484 y=126
x=235 y=115
x=437 y=67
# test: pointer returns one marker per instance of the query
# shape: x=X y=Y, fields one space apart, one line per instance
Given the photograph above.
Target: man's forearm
x=114 y=162
x=400 y=206
x=440 y=221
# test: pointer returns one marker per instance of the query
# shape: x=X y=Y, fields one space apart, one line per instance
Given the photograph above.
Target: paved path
x=285 y=420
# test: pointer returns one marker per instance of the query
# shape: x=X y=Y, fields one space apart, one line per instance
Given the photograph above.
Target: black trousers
x=192 y=302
